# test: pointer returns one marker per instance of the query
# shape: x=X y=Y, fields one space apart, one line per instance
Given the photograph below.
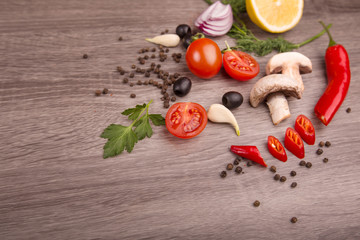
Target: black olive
x=232 y=99
x=182 y=30
x=187 y=40
x=182 y=86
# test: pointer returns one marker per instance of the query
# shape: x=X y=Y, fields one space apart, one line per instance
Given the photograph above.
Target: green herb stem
x=316 y=36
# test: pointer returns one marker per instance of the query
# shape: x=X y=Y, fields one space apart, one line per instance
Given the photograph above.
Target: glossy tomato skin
x=240 y=66
x=186 y=119
x=294 y=143
x=203 y=58
x=305 y=129
x=276 y=149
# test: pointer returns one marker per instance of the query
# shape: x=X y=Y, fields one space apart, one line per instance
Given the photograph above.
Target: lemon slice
x=275 y=16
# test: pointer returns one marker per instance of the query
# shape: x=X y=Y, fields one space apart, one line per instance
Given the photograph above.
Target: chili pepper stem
x=331 y=40
x=314 y=37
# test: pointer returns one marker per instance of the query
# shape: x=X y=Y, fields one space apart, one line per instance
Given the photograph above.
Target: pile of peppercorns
x=230 y=166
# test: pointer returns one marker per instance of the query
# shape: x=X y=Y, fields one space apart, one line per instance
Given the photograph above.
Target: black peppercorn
x=125 y=80
x=139 y=82
x=147 y=74
x=131 y=75
x=105 y=91
x=236 y=161
x=308 y=165
x=223 y=174
x=321 y=144
x=273 y=169
x=293 y=173
x=85 y=56
x=319 y=151
x=238 y=170
x=166 y=104
x=276 y=177
x=133 y=66
x=120 y=38
x=256 y=203
x=293 y=185
x=348 y=110
x=133 y=95
x=282 y=179
x=229 y=166
x=325 y=160
x=98 y=92
x=293 y=220
x=302 y=163
x=327 y=144
x=131 y=84
x=173 y=99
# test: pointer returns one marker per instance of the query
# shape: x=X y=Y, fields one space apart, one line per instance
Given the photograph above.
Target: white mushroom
x=273 y=88
x=291 y=64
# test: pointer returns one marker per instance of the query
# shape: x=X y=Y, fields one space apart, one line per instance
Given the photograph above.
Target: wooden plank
x=54 y=183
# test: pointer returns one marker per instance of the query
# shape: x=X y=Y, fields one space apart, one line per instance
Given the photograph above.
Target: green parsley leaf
x=122 y=138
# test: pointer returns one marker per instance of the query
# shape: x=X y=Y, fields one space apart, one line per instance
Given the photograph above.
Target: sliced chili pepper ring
x=276 y=149
x=294 y=143
x=305 y=129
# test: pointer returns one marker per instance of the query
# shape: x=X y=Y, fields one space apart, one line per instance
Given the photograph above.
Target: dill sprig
x=247 y=42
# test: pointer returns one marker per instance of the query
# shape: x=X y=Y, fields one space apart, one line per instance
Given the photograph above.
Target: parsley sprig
x=122 y=138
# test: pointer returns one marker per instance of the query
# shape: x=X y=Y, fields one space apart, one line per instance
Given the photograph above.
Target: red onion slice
x=216 y=20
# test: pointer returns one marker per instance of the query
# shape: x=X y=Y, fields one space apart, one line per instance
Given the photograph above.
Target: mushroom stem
x=278 y=106
x=293 y=71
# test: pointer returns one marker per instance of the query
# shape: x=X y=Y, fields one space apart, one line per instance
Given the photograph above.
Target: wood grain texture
x=54 y=183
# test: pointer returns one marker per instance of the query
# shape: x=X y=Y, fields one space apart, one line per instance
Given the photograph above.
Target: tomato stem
x=228 y=48
x=197 y=36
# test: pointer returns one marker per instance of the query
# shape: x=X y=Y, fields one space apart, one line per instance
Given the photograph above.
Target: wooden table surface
x=55 y=184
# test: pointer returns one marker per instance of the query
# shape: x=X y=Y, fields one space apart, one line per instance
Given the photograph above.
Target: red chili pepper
x=249 y=152
x=294 y=143
x=305 y=129
x=338 y=74
x=276 y=148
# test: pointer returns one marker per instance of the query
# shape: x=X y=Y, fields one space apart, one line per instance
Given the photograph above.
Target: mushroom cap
x=289 y=59
x=271 y=84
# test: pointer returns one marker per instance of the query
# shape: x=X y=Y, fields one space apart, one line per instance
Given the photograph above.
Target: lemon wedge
x=275 y=16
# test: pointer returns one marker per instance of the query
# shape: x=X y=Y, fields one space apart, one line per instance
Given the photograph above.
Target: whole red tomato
x=186 y=119
x=203 y=58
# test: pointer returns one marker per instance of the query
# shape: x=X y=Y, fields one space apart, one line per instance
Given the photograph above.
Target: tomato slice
x=239 y=65
x=276 y=149
x=186 y=119
x=305 y=129
x=294 y=143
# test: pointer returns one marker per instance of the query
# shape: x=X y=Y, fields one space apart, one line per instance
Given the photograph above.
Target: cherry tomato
x=306 y=129
x=239 y=65
x=294 y=143
x=203 y=58
x=186 y=119
x=276 y=148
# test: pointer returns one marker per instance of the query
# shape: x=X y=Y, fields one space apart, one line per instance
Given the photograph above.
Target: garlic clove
x=167 y=40
x=220 y=114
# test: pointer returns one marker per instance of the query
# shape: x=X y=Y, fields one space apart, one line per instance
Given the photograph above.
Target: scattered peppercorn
x=256 y=203
x=131 y=75
x=319 y=151
x=105 y=91
x=120 y=38
x=236 y=161
x=321 y=144
x=282 y=179
x=98 y=92
x=139 y=82
x=327 y=144
x=273 y=169
x=293 y=185
x=293 y=173
x=229 y=166
x=348 y=110
x=302 y=163
x=133 y=95
x=131 y=84
x=293 y=220
x=173 y=99
x=248 y=164
x=85 y=56
x=308 y=165
x=325 y=160
x=166 y=104
x=238 y=170
x=133 y=66
x=277 y=177
x=223 y=174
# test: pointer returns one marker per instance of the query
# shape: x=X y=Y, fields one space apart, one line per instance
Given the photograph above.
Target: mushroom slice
x=291 y=64
x=271 y=84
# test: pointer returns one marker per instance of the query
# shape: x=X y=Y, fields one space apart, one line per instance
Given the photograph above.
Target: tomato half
x=203 y=58
x=306 y=129
x=240 y=66
x=186 y=119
